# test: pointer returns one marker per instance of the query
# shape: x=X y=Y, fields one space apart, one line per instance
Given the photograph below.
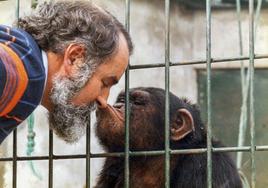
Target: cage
x=205 y=50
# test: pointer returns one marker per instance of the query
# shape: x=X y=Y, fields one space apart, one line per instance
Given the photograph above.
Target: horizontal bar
x=55 y=157
x=197 y=62
x=139 y=153
x=261 y=148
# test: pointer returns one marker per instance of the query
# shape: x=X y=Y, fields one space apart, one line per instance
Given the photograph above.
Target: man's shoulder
x=18 y=39
x=22 y=75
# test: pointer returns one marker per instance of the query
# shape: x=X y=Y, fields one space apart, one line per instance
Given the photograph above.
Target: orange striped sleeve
x=22 y=81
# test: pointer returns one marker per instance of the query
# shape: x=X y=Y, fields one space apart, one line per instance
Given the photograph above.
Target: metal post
x=167 y=60
x=251 y=108
x=127 y=21
x=50 y=162
x=14 y=178
x=88 y=155
x=244 y=91
x=208 y=54
x=245 y=83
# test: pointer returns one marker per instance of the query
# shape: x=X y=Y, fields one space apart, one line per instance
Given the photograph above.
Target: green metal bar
x=127 y=110
x=243 y=119
x=196 y=62
x=244 y=92
x=17 y=9
x=167 y=77
x=257 y=17
x=14 y=159
x=251 y=107
x=208 y=51
x=238 y=12
x=50 y=160
x=139 y=153
x=88 y=175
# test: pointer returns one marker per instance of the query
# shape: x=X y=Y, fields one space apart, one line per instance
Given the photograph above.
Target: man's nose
x=103 y=97
x=101 y=102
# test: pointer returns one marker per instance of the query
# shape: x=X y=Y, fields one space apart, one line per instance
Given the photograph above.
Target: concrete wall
x=147 y=30
x=225 y=40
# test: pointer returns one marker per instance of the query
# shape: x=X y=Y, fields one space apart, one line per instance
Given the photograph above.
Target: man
x=66 y=55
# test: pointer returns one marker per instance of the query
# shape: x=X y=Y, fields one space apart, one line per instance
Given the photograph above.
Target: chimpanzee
x=147 y=107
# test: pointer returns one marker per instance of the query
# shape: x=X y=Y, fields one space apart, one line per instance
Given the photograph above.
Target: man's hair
x=56 y=24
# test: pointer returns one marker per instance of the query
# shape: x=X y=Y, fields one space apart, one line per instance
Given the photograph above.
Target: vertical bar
x=126 y=183
x=14 y=173
x=238 y=11
x=167 y=63
x=88 y=155
x=245 y=83
x=251 y=106
x=50 y=162
x=14 y=178
x=17 y=9
x=244 y=88
x=208 y=53
x=257 y=17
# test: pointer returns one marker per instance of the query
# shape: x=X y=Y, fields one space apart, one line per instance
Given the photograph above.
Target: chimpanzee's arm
x=111 y=175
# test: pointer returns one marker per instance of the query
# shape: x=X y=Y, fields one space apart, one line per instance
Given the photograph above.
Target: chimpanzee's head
x=147 y=122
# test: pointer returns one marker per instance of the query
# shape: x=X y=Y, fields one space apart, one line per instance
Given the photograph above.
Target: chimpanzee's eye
x=121 y=100
x=139 y=102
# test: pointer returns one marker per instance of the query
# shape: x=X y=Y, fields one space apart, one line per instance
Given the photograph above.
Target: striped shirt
x=22 y=78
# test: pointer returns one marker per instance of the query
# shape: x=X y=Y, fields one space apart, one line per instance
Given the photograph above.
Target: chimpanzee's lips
x=117 y=113
x=111 y=112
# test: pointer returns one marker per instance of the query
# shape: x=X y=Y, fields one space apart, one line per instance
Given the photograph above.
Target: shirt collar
x=45 y=62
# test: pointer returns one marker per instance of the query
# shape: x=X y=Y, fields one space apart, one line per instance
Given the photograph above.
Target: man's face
x=74 y=97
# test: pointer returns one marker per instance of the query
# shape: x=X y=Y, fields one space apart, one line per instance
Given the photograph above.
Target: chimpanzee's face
x=146 y=122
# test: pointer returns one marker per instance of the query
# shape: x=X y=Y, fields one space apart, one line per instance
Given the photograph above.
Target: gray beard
x=69 y=122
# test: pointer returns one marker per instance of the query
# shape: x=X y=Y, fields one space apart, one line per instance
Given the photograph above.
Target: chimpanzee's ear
x=182 y=124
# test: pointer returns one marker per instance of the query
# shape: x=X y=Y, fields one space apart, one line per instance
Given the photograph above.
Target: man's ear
x=74 y=56
x=182 y=124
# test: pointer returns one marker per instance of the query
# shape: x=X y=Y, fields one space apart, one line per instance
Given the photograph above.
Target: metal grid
x=167 y=152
